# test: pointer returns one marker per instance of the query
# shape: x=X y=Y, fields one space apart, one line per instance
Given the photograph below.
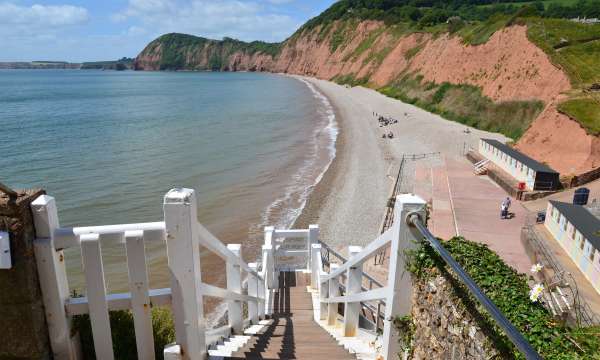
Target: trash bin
x=581 y=196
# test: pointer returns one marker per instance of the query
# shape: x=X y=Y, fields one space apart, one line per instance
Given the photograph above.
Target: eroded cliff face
x=507 y=67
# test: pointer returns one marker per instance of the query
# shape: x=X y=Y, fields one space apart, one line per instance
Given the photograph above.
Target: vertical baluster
x=316 y=268
x=140 y=299
x=234 y=283
x=91 y=256
x=313 y=238
x=334 y=291
x=353 y=286
x=323 y=294
x=53 y=278
x=253 y=291
x=183 y=252
x=404 y=237
x=268 y=277
x=262 y=296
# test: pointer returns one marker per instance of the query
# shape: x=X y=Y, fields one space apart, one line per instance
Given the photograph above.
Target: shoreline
x=314 y=203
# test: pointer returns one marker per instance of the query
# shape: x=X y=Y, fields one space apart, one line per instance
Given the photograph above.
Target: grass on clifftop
x=466 y=104
x=586 y=111
x=510 y=292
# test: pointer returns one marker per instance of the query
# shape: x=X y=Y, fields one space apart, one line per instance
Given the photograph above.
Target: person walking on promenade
x=504 y=208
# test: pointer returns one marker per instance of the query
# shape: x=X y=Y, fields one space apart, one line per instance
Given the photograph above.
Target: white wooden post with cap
x=183 y=252
x=234 y=284
x=315 y=266
x=253 y=291
x=353 y=286
x=398 y=301
x=53 y=278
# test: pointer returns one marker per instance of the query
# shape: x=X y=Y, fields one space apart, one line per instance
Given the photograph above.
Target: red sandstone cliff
x=507 y=67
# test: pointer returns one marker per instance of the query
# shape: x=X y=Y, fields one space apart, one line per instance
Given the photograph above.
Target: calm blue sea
x=109 y=145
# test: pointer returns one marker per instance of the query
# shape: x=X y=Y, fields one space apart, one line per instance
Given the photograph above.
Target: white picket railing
x=283 y=250
x=396 y=295
x=183 y=236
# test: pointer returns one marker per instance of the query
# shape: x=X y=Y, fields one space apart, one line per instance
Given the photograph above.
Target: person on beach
x=504 y=208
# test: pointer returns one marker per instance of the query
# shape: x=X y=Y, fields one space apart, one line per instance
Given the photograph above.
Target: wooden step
x=293 y=333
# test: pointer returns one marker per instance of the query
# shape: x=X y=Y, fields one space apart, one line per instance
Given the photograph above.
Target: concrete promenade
x=470 y=205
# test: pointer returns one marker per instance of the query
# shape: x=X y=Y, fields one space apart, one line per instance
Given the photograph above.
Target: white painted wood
x=120 y=301
x=263 y=296
x=53 y=278
x=334 y=291
x=375 y=294
x=215 y=291
x=315 y=266
x=208 y=240
x=172 y=352
x=291 y=233
x=253 y=291
x=365 y=254
x=91 y=257
x=323 y=294
x=268 y=275
x=398 y=302
x=353 y=286
x=234 y=285
x=69 y=237
x=140 y=299
x=313 y=238
x=183 y=252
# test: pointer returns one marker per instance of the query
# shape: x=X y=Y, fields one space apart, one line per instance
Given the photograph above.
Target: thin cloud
x=245 y=20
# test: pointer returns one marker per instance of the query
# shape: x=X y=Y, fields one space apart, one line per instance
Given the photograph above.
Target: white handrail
x=65 y=238
x=381 y=241
x=208 y=240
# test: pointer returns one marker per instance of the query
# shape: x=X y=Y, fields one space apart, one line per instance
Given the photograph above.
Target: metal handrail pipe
x=362 y=256
x=509 y=329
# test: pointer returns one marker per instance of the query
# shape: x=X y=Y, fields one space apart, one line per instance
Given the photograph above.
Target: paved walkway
x=471 y=204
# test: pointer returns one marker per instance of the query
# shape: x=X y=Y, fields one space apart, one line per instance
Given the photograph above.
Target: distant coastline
x=121 y=64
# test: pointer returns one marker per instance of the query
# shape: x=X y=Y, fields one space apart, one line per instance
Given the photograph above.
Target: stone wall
x=446 y=325
x=24 y=333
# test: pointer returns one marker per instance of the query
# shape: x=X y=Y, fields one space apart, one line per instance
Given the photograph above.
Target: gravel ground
x=349 y=202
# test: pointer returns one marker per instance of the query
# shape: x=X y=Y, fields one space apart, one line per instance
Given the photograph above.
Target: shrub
x=123 y=334
x=510 y=292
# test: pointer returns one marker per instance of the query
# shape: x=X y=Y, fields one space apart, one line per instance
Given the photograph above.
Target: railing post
x=253 y=291
x=315 y=265
x=323 y=294
x=274 y=279
x=262 y=294
x=268 y=277
x=404 y=237
x=353 y=286
x=334 y=290
x=53 y=278
x=313 y=238
x=234 y=283
x=183 y=253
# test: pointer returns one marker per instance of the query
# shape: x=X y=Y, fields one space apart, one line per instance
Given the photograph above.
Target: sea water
x=109 y=145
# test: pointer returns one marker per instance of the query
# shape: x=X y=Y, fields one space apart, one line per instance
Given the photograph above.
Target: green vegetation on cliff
x=465 y=104
x=176 y=48
x=431 y=12
x=510 y=292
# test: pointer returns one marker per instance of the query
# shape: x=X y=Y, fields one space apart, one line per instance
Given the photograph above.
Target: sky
x=77 y=31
